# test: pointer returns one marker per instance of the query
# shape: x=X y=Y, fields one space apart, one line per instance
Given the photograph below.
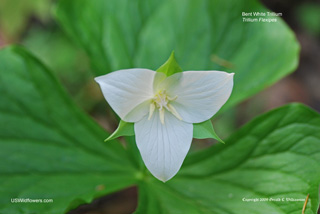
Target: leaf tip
x=221 y=141
x=171 y=66
x=111 y=137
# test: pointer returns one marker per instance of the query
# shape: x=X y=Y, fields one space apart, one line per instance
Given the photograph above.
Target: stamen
x=172 y=99
x=161 y=114
x=174 y=111
x=151 y=110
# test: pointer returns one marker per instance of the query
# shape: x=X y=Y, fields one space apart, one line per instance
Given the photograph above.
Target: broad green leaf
x=200 y=131
x=205 y=34
x=49 y=148
x=170 y=66
x=275 y=156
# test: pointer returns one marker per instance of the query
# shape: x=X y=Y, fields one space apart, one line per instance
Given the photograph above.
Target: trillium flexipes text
x=163 y=110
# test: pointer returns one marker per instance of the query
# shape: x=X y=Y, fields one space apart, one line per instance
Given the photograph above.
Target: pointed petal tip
x=97 y=79
x=164 y=179
x=230 y=75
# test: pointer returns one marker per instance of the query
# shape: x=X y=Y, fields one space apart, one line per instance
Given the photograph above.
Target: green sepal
x=124 y=129
x=200 y=131
x=205 y=130
x=170 y=67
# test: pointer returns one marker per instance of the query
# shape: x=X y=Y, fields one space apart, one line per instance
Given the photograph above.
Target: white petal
x=128 y=91
x=200 y=93
x=163 y=147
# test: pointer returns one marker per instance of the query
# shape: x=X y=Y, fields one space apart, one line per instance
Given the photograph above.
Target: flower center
x=162 y=101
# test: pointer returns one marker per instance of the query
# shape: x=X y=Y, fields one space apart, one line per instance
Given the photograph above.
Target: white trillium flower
x=163 y=110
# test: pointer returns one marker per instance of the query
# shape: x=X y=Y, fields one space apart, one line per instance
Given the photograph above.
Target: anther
x=151 y=110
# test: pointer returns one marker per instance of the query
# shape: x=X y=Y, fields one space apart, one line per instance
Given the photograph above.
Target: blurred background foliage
x=15 y=16
x=309 y=17
x=31 y=23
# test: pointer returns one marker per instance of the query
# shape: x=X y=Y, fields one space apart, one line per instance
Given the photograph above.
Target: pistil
x=161 y=101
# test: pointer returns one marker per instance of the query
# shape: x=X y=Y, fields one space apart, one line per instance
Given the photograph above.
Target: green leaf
x=124 y=129
x=206 y=35
x=170 y=67
x=275 y=156
x=200 y=131
x=205 y=130
x=49 y=148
